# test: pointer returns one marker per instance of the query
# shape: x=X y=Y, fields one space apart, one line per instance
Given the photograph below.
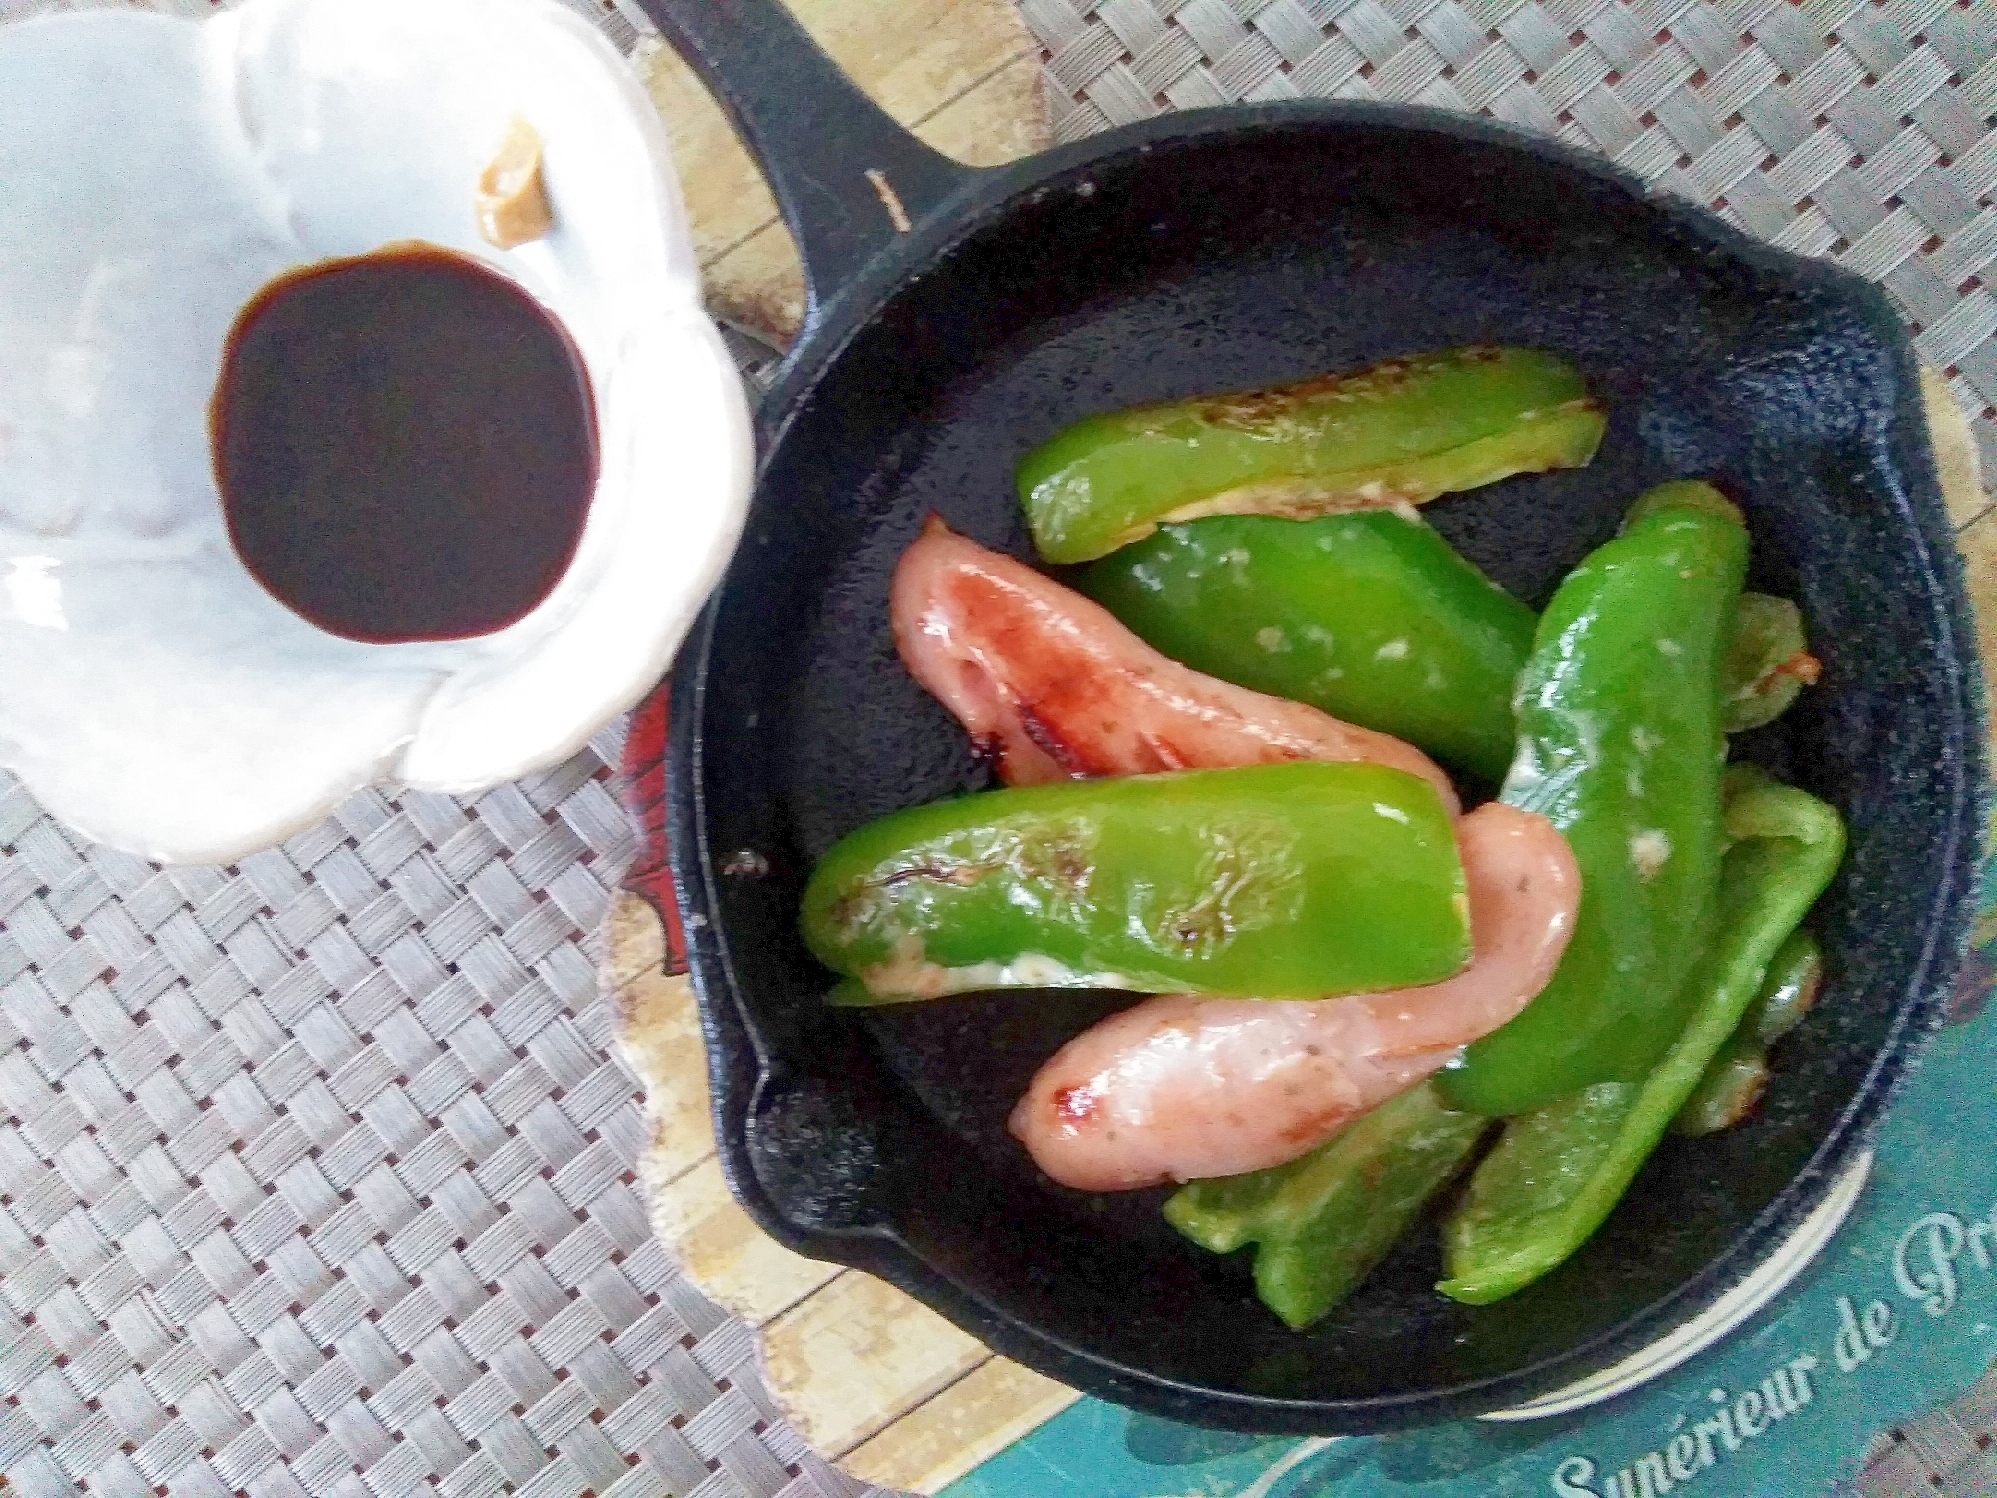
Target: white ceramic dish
x=157 y=173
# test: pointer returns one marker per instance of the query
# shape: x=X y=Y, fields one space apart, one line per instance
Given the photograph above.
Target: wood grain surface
x=875 y=1381
x=964 y=75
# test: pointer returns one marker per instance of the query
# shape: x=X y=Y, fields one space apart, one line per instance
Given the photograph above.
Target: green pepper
x=1400 y=431
x=1795 y=979
x=1291 y=880
x=1727 y=1093
x=1620 y=747
x=1556 y=1174
x=1767 y=663
x=1323 y=1222
x=1370 y=615
x=1735 y=1080
x=1376 y=619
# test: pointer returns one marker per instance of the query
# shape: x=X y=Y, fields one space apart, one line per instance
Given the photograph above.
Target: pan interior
x=1233 y=261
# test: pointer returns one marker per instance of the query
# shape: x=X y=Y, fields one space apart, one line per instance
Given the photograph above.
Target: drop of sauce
x=405 y=444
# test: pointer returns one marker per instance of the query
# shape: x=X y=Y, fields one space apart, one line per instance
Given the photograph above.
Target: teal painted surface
x=1918 y=1255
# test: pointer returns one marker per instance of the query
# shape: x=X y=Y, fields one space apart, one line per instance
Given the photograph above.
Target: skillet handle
x=847 y=178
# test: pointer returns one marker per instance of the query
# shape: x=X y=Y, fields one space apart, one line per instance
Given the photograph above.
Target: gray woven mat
x=316 y=1174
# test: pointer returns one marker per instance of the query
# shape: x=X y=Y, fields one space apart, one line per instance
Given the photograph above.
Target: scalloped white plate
x=159 y=172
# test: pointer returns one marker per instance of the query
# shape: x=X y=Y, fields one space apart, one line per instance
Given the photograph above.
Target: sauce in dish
x=405 y=443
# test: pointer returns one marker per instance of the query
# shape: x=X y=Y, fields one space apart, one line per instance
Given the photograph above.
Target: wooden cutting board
x=873 y=1380
x=964 y=75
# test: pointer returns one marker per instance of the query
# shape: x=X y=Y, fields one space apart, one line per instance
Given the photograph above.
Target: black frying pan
x=1201 y=252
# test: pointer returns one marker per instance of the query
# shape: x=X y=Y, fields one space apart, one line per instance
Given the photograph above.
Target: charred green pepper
x=1400 y=431
x=1736 y=1078
x=1371 y=616
x=1323 y=1222
x=1556 y=1173
x=1292 y=880
x=1620 y=746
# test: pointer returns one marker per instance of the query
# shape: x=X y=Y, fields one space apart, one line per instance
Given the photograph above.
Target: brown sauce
x=405 y=443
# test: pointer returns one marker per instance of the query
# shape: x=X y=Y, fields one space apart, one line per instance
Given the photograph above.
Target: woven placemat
x=316 y=1173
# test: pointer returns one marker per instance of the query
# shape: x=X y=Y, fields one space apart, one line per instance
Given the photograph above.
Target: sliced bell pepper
x=1557 y=1173
x=1795 y=979
x=1291 y=880
x=1374 y=618
x=1726 y=1094
x=1735 y=1080
x=1371 y=616
x=1398 y=432
x=1767 y=663
x=1620 y=747
x=1323 y=1222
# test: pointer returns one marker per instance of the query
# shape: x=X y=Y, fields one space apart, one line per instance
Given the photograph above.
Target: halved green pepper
x=1400 y=431
x=1323 y=1222
x=1620 y=746
x=1290 y=880
x=1371 y=616
x=1556 y=1174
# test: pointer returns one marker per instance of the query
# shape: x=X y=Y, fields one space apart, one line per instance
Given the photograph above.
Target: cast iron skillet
x=1201 y=252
